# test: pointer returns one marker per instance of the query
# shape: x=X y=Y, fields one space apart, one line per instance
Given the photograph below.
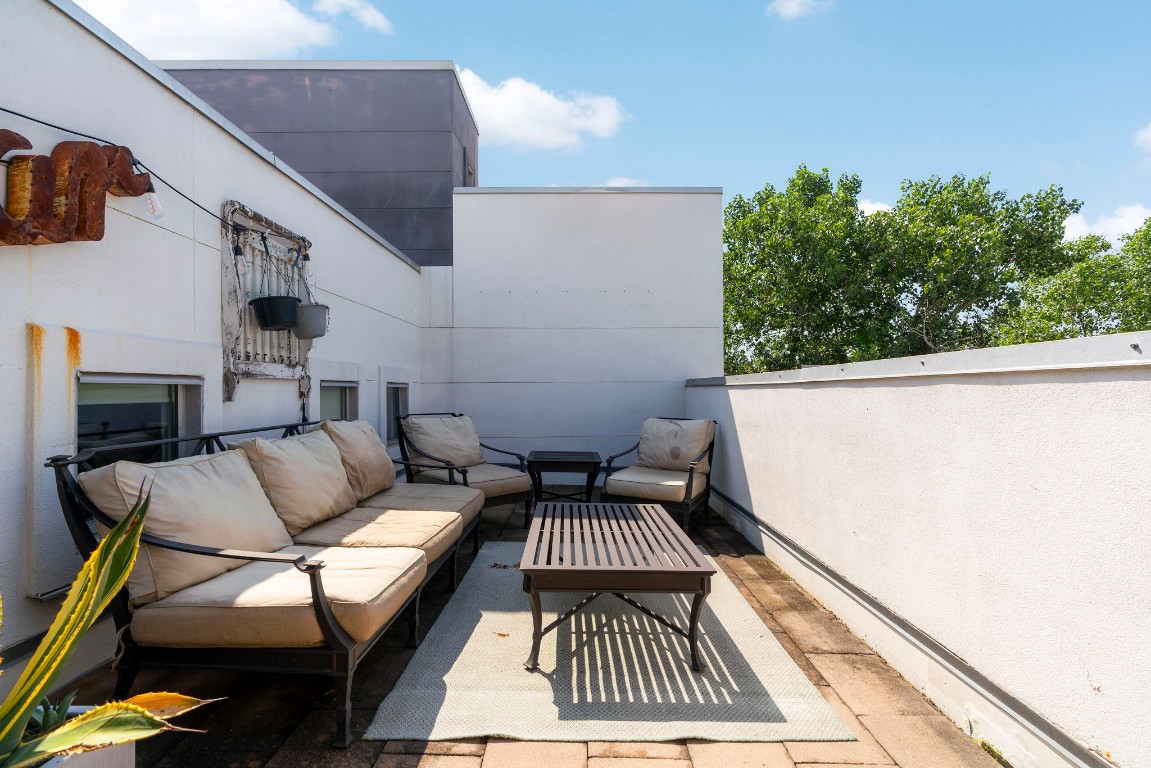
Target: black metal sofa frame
x=407 y=449
x=689 y=504
x=337 y=659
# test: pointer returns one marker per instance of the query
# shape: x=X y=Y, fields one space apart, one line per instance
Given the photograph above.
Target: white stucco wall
x=576 y=313
x=146 y=299
x=995 y=499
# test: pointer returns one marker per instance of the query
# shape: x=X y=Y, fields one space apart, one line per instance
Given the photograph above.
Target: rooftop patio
x=286 y=721
x=950 y=547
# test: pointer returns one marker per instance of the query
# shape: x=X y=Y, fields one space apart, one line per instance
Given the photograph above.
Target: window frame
x=189 y=416
x=350 y=398
x=391 y=430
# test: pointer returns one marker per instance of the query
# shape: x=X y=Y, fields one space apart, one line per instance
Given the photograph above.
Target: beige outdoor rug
x=609 y=674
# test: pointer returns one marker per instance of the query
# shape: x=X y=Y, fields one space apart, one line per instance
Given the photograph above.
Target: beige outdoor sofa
x=294 y=554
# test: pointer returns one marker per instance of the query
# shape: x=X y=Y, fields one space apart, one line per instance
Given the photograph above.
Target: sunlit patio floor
x=283 y=721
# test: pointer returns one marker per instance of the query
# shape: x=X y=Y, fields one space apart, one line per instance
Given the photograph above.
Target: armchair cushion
x=365 y=457
x=422 y=497
x=673 y=443
x=269 y=605
x=303 y=476
x=492 y=479
x=654 y=484
x=433 y=532
x=213 y=500
x=451 y=438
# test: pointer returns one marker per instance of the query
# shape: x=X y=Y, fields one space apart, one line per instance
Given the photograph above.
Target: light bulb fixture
x=155 y=207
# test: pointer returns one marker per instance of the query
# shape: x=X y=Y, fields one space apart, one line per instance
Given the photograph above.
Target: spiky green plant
x=115 y=723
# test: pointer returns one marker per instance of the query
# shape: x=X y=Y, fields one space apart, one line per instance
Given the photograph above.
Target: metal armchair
x=458 y=459
x=660 y=474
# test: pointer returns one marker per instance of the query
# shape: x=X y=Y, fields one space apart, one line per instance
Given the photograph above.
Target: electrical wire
x=57 y=127
x=229 y=224
x=235 y=228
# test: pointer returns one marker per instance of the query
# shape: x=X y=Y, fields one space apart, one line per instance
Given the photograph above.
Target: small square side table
x=582 y=462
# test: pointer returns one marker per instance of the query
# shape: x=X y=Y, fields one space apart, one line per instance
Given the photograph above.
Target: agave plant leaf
x=104 y=726
x=168 y=705
x=98 y=581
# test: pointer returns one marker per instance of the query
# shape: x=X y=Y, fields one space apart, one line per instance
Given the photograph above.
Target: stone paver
x=714 y=754
x=930 y=741
x=636 y=762
x=869 y=687
x=473 y=747
x=505 y=753
x=427 y=761
x=864 y=751
x=818 y=631
x=667 y=750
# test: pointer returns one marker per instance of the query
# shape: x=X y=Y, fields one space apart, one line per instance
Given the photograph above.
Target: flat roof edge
x=109 y=38
x=329 y=64
x=333 y=65
x=579 y=190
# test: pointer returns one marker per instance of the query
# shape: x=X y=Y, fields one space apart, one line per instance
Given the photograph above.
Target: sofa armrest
x=333 y=632
x=299 y=561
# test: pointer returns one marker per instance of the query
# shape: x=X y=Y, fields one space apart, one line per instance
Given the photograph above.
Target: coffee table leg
x=537 y=629
x=693 y=627
x=591 y=476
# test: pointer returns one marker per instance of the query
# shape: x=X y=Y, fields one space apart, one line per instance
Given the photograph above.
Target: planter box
x=119 y=756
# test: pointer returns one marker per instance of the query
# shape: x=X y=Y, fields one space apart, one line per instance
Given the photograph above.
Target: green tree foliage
x=1102 y=292
x=809 y=279
x=792 y=266
x=950 y=255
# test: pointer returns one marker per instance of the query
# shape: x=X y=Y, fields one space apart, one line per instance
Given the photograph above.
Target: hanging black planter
x=276 y=313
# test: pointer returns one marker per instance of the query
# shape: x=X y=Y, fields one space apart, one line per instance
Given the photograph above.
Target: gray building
x=387 y=140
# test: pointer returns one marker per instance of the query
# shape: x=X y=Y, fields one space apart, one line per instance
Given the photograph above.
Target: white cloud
x=1122 y=221
x=360 y=10
x=871 y=206
x=789 y=10
x=1142 y=138
x=224 y=29
x=626 y=181
x=521 y=114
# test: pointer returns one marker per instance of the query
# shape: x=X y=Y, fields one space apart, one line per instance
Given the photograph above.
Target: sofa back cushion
x=452 y=438
x=674 y=443
x=364 y=455
x=303 y=477
x=213 y=500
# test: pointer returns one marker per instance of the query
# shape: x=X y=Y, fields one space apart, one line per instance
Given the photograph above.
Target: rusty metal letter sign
x=60 y=198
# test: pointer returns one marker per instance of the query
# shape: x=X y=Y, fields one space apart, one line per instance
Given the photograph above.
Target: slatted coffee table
x=616 y=549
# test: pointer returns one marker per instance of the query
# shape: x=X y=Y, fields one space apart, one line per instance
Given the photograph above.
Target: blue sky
x=736 y=94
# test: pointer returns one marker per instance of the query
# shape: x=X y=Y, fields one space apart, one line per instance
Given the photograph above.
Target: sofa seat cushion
x=268 y=605
x=492 y=479
x=451 y=438
x=213 y=500
x=433 y=532
x=303 y=477
x=426 y=497
x=674 y=443
x=654 y=484
x=365 y=457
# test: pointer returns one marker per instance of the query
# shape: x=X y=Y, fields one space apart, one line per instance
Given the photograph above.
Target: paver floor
x=282 y=721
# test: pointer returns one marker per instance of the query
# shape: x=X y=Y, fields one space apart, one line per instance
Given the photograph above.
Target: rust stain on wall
x=35 y=363
x=74 y=345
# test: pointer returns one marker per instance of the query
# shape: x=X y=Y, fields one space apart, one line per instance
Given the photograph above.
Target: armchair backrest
x=666 y=443
x=439 y=437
